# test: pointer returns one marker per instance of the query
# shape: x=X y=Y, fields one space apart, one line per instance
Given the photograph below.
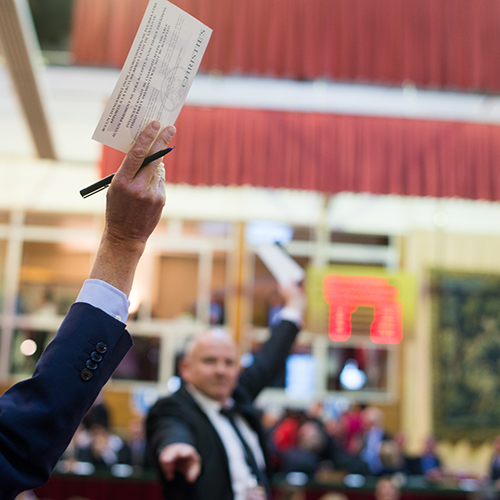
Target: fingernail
x=171 y=130
x=155 y=125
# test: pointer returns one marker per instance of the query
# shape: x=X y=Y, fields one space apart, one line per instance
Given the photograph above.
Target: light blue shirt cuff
x=291 y=314
x=106 y=297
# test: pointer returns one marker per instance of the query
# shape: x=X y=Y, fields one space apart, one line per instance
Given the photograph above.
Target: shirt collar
x=208 y=405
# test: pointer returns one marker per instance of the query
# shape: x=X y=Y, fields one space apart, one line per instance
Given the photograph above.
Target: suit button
x=95 y=356
x=91 y=365
x=86 y=374
x=101 y=347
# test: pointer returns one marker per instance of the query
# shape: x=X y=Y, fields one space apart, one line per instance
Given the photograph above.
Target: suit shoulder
x=169 y=404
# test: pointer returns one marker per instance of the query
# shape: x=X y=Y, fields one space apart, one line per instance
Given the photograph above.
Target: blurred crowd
x=302 y=441
x=356 y=443
x=97 y=444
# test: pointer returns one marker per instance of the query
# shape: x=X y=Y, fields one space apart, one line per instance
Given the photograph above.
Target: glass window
x=357 y=368
x=26 y=349
x=298 y=373
x=80 y=221
x=141 y=362
x=3 y=251
x=218 y=291
x=51 y=277
x=303 y=233
x=210 y=229
x=176 y=286
x=52 y=20
x=267 y=300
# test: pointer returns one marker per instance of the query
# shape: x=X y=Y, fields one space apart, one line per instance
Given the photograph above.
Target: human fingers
x=180 y=457
x=257 y=493
x=188 y=462
x=164 y=138
x=167 y=461
x=193 y=470
x=158 y=180
x=149 y=173
x=133 y=161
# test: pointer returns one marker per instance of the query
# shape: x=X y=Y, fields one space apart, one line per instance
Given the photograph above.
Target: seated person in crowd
x=351 y=423
x=391 y=457
x=309 y=447
x=103 y=449
x=495 y=461
x=373 y=436
x=428 y=464
x=39 y=416
x=308 y=451
x=135 y=444
x=98 y=414
x=285 y=432
x=429 y=460
x=386 y=489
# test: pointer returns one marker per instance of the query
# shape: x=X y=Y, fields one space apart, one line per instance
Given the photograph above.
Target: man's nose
x=221 y=367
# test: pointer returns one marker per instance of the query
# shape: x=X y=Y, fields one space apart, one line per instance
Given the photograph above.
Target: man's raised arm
x=135 y=201
x=39 y=416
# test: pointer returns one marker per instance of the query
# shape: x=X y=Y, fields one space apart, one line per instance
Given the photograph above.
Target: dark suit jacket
x=178 y=419
x=39 y=416
x=495 y=469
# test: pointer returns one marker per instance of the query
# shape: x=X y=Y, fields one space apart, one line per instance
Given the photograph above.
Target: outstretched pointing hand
x=180 y=457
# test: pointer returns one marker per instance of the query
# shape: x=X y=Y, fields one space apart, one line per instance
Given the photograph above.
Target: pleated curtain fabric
x=440 y=44
x=331 y=153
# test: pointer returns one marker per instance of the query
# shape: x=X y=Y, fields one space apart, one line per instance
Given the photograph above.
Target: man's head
x=430 y=445
x=372 y=417
x=210 y=364
x=386 y=490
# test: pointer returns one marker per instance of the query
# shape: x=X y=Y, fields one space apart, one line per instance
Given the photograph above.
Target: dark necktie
x=249 y=456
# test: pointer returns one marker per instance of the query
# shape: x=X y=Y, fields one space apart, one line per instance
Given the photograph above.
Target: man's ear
x=184 y=369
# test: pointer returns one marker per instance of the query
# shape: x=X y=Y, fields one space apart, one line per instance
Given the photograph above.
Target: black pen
x=104 y=183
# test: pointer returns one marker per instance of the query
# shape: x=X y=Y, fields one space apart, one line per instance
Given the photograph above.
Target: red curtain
x=332 y=153
x=433 y=43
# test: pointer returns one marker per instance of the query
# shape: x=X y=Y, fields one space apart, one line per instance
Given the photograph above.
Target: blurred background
x=362 y=134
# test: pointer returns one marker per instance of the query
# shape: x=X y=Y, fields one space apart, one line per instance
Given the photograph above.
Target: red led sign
x=345 y=294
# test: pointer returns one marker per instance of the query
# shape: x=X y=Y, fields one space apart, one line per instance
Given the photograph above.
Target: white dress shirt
x=106 y=297
x=242 y=477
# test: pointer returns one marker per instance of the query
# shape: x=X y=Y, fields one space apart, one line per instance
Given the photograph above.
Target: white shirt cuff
x=106 y=297
x=291 y=314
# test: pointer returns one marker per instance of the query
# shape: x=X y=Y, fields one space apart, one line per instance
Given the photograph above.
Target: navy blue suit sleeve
x=268 y=361
x=39 y=416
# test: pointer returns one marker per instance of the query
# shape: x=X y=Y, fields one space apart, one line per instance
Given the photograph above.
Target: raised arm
x=135 y=201
x=39 y=416
x=271 y=357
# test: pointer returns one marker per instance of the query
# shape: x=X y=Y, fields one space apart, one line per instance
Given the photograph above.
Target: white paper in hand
x=280 y=264
x=157 y=75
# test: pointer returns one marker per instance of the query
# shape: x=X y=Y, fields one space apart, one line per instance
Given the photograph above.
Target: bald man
x=206 y=438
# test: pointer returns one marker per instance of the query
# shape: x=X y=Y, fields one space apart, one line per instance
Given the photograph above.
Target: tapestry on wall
x=466 y=355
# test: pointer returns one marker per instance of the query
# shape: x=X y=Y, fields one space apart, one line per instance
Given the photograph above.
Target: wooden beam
x=16 y=33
